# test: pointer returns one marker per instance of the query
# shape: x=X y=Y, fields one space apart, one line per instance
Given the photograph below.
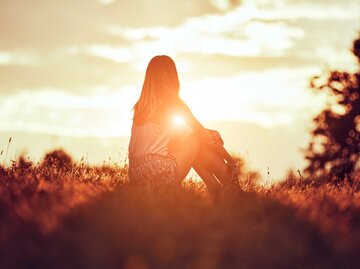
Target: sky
x=71 y=71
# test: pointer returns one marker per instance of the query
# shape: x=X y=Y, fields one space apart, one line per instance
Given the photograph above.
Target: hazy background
x=70 y=71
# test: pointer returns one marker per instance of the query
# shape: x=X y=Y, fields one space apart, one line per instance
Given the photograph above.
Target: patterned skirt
x=153 y=169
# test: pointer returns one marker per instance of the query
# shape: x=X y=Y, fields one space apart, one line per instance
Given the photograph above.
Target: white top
x=150 y=138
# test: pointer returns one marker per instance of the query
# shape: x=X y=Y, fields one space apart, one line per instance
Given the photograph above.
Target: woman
x=161 y=152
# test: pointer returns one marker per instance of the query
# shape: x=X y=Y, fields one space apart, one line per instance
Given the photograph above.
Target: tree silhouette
x=334 y=149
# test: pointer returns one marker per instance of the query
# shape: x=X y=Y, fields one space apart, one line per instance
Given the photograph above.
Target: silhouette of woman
x=163 y=152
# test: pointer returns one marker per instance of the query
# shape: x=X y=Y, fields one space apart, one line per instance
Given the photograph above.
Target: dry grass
x=60 y=214
x=335 y=209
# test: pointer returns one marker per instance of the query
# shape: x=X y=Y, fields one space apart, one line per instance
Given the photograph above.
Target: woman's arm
x=195 y=124
x=209 y=137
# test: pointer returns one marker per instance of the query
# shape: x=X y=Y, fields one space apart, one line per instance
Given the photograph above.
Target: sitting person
x=163 y=153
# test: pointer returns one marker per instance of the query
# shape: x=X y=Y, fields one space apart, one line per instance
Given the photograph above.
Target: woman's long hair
x=159 y=92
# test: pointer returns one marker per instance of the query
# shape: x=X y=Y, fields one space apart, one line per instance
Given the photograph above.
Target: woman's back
x=149 y=138
x=149 y=156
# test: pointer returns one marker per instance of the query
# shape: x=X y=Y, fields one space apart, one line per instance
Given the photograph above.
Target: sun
x=178 y=120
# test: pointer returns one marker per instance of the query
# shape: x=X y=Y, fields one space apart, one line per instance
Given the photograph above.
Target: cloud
x=230 y=34
x=52 y=24
x=50 y=45
x=315 y=10
x=249 y=36
x=219 y=65
x=239 y=97
x=106 y=2
x=79 y=72
x=57 y=112
x=18 y=58
x=251 y=29
x=329 y=41
x=225 y=5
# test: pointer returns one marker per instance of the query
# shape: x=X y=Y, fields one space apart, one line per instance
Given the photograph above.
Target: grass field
x=61 y=214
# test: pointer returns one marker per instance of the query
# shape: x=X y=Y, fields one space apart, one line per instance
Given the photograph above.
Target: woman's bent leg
x=215 y=164
x=185 y=151
x=207 y=176
x=189 y=152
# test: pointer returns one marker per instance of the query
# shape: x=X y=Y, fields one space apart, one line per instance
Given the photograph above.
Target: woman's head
x=160 y=89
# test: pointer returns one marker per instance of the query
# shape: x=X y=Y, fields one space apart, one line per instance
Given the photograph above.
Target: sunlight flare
x=178 y=121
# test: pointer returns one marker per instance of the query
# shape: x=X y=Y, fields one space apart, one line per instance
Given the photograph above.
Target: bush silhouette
x=58 y=159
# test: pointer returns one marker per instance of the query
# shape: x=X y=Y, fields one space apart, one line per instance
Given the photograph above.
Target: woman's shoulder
x=162 y=117
x=180 y=106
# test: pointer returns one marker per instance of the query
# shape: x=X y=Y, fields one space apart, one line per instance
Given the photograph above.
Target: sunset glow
x=244 y=69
